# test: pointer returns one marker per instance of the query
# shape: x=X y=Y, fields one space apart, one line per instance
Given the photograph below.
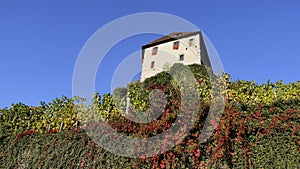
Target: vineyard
x=259 y=127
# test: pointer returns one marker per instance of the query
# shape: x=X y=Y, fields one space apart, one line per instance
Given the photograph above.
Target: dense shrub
x=260 y=128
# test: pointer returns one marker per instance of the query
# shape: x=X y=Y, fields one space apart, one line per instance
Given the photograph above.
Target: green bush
x=260 y=127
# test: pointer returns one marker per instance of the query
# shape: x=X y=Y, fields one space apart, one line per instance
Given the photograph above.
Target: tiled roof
x=170 y=37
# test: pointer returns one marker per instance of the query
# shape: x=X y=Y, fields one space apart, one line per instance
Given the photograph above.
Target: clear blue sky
x=40 y=40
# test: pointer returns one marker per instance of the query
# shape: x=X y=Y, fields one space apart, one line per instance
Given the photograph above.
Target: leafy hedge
x=260 y=128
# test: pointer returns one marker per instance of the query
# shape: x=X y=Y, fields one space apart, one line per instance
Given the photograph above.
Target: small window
x=177 y=35
x=176 y=45
x=181 y=57
x=152 y=64
x=192 y=42
x=154 y=50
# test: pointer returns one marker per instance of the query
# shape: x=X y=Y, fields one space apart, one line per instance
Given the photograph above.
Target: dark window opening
x=181 y=57
x=176 y=45
x=152 y=64
x=154 y=50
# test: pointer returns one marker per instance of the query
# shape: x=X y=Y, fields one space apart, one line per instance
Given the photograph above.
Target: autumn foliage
x=259 y=128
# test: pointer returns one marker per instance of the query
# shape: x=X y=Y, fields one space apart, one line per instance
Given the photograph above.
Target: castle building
x=178 y=47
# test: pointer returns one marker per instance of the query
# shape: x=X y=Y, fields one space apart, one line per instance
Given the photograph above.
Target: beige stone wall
x=166 y=55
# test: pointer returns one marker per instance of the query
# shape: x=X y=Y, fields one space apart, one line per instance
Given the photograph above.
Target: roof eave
x=169 y=40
